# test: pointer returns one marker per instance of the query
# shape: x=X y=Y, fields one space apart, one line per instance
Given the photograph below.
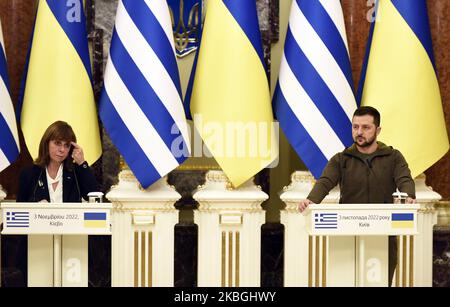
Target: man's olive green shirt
x=365 y=178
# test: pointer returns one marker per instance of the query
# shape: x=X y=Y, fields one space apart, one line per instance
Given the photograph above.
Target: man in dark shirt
x=367 y=172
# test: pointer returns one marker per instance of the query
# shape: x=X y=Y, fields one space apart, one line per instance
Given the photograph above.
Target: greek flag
x=141 y=106
x=18 y=219
x=9 y=139
x=325 y=221
x=314 y=100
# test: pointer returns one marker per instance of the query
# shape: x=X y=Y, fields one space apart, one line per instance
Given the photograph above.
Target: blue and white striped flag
x=141 y=106
x=9 y=139
x=314 y=100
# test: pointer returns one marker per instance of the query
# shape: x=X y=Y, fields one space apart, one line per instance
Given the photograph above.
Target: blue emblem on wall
x=187 y=20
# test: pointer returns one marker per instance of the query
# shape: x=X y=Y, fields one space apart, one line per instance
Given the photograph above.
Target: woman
x=60 y=173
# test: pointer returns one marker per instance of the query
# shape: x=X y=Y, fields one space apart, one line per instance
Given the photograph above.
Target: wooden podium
x=57 y=238
x=348 y=244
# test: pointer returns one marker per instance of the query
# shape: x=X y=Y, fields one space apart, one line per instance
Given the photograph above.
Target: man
x=367 y=172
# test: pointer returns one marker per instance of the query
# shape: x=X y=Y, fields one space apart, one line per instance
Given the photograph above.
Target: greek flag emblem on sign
x=325 y=220
x=187 y=19
x=18 y=219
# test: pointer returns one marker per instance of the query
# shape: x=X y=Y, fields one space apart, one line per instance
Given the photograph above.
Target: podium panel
x=348 y=243
x=362 y=219
x=61 y=219
x=57 y=238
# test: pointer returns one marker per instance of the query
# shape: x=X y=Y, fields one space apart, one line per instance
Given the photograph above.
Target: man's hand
x=410 y=200
x=304 y=204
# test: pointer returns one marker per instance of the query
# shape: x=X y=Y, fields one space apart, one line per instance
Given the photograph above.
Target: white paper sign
x=385 y=221
x=56 y=219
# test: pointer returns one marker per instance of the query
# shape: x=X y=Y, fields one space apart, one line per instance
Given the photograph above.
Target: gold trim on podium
x=224 y=257
x=317 y=261
x=136 y=258
x=324 y=261
x=142 y=259
x=310 y=258
x=397 y=267
x=238 y=239
x=150 y=259
x=404 y=268
x=230 y=259
x=411 y=261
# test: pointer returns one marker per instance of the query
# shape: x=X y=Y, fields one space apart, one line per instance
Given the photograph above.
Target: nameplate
x=356 y=220
x=56 y=219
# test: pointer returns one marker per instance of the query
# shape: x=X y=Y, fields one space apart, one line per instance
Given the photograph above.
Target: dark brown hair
x=58 y=131
x=361 y=111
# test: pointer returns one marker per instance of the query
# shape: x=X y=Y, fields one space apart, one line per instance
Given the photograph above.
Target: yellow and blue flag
x=9 y=138
x=95 y=220
x=230 y=101
x=402 y=220
x=58 y=83
x=399 y=79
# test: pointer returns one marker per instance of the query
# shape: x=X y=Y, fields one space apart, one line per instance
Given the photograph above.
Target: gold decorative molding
x=143 y=218
x=300 y=177
x=216 y=176
x=122 y=164
x=231 y=219
x=206 y=207
x=411 y=261
x=324 y=261
x=224 y=257
x=238 y=250
x=136 y=259
x=404 y=255
x=427 y=209
x=230 y=258
x=198 y=168
x=167 y=207
x=317 y=252
x=397 y=268
x=310 y=259
x=291 y=208
x=127 y=176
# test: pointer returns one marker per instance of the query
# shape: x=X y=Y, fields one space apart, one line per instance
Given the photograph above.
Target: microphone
x=76 y=183
x=38 y=183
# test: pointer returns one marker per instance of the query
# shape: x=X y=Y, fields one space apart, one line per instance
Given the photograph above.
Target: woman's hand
x=77 y=154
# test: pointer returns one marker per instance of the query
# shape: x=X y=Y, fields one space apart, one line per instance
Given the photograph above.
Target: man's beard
x=365 y=144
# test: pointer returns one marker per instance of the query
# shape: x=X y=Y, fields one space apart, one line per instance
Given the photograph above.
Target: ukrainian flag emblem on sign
x=95 y=220
x=402 y=220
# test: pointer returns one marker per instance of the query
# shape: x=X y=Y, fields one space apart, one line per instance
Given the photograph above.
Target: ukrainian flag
x=402 y=220
x=230 y=102
x=400 y=80
x=58 y=83
x=95 y=220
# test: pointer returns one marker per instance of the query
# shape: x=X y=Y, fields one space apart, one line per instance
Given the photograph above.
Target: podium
x=57 y=238
x=348 y=243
